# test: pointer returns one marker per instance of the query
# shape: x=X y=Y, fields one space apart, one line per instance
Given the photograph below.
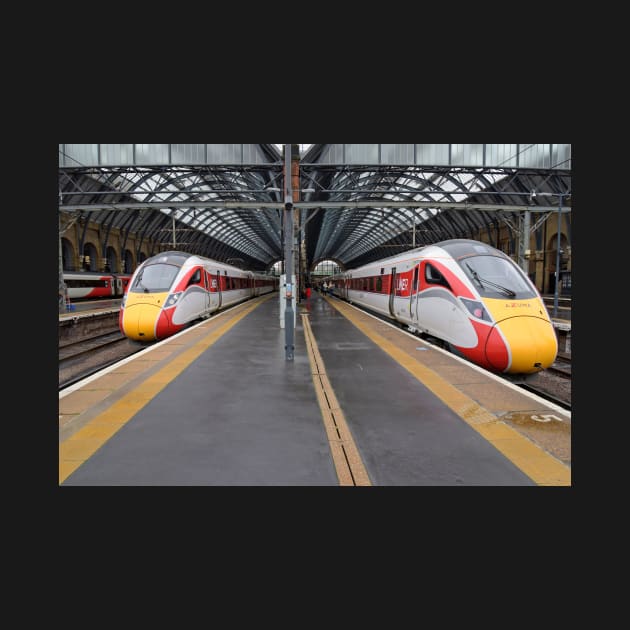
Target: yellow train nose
x=140 y=322
x=532 y=342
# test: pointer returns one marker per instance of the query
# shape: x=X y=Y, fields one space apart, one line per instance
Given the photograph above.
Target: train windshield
x=496 y=277
x=156 y=278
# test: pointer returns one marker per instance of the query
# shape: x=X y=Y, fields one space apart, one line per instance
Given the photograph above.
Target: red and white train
x=169 y=291
x=468 y=295
x=84 y=285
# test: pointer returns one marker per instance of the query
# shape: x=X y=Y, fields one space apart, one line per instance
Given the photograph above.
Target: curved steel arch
x=256 y=234
x=373 y=237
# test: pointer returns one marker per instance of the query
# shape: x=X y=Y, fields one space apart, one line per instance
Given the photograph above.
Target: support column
x=62 y=285
x=523 y=257
x=556 y=289
x=288 y=255
x=298 y=260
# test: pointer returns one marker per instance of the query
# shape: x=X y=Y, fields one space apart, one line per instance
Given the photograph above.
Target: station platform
x=362 y=403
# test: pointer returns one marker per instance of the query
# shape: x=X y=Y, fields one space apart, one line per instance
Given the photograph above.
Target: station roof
x=357 y=203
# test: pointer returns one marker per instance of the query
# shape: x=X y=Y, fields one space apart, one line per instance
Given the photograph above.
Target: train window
x=493 y=275
x=195 y=278
x=379 y=283
x=89 y=283
x=433 y=276
x=155 y=278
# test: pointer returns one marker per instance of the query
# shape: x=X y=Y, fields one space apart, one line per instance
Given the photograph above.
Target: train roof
x=463 y=247
x=93 y=274
x=178 y=258
x=457 y=248
x=170 y=258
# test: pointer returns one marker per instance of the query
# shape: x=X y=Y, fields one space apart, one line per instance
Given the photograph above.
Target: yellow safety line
x=84 y=443
x=348 y=463
x=536 y=463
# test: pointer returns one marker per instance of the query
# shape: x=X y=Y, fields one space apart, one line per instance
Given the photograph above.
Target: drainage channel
x=348 y=463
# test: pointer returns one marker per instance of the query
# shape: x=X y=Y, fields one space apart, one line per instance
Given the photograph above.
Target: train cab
x=147 y=309
x=514 y=331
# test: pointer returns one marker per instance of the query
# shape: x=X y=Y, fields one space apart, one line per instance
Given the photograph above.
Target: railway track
x=80 y=359
x=563 y=312
x=544 y=393
x=552 y=384
x=75 y=349
x=561 y=366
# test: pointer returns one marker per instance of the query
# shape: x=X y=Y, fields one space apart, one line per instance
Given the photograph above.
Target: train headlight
x=172 y=299
x=476 y=309
x=123 y=301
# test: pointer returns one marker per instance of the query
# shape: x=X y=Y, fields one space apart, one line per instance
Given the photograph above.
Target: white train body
x=465 y=293
x=82 y=285
x=169 y=291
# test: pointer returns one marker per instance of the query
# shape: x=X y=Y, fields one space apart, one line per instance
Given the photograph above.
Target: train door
x=414 y=294
x=110 y=286
x=219 y=288
x=422 y=284
x=392 y=292
x=207 y=283
x=121 y=283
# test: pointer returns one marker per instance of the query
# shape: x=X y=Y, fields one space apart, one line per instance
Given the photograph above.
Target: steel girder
x=347 y=235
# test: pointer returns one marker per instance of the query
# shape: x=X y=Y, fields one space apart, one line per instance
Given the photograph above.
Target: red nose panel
x=496 y=351
x=165 y=327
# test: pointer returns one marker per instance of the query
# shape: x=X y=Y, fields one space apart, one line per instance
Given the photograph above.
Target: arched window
x=67 y=254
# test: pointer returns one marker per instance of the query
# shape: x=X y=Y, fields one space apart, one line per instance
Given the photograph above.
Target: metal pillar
x=523 y=259
x=298 y=259
x=62 y=285
x=557 y=282
x=288 y=255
